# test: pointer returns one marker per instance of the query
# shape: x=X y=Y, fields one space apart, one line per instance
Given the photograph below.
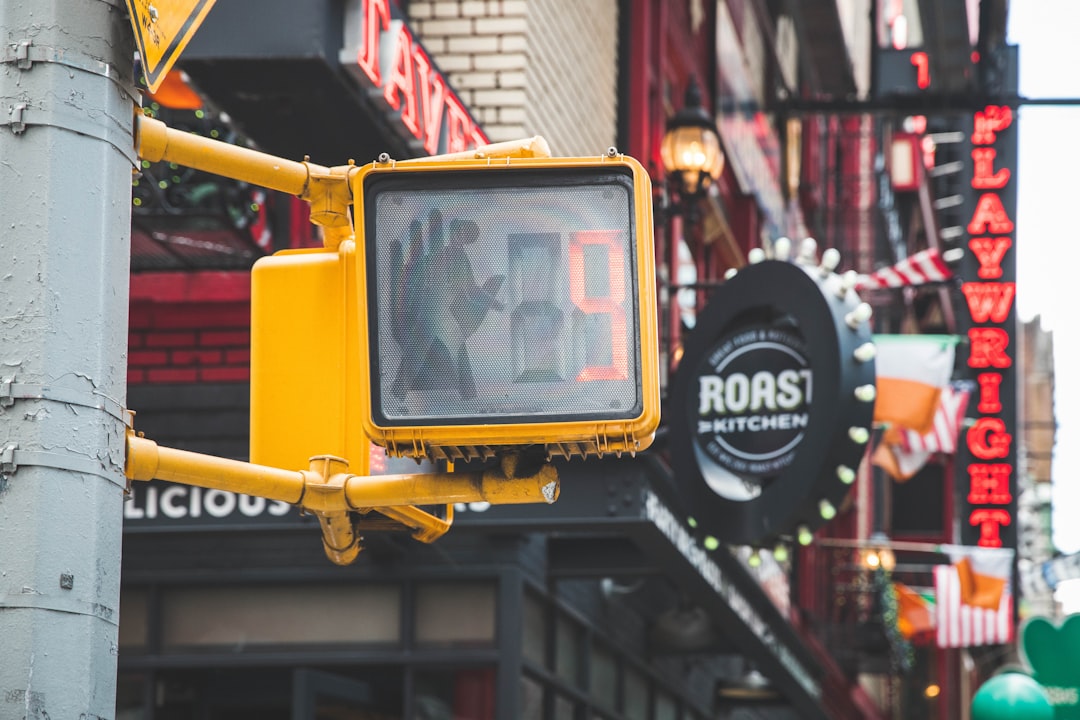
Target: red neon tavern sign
x=393 y=61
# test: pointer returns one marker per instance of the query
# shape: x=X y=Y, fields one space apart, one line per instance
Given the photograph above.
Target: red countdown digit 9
x=612 y=304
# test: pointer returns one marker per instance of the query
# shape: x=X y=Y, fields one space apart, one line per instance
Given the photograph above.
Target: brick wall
x=189 y=328
x=529 y=67
x=197 y=342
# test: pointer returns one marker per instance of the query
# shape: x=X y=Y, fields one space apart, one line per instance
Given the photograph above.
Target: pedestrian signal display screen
x=505 y=297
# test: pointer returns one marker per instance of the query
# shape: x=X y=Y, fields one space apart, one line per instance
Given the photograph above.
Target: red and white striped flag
x=949 y=416
x=903 y=452
x=974 y=598
x=925 y=266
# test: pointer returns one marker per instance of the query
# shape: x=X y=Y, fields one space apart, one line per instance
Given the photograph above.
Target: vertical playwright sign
x=989 y=286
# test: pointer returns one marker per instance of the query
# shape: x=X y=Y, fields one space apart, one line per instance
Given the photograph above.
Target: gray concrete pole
x=66 y=101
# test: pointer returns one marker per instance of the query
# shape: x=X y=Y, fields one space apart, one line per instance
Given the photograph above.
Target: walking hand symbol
x=437 y=306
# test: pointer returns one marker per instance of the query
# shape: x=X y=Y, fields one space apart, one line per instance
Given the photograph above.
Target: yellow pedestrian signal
x=479 y=304
x=305 y=390
x=506 y=302
x=483 y=305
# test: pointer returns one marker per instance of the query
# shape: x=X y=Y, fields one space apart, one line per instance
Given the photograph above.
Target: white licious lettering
x=251 y=506
x=177 y=502
x=280 y=508
x=168 y=508
x=219 y=503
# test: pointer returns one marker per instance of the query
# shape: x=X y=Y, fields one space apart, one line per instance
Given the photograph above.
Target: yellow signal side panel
x=595 y=435
x=303 y=339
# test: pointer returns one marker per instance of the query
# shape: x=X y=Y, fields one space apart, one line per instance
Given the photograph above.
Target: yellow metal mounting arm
x=326 y=189
x=331 y=494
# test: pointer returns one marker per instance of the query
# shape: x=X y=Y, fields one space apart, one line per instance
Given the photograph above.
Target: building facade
x=609 y=604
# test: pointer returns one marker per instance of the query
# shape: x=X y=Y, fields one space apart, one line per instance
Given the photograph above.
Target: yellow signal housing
x=504 y=303
x=305 y=391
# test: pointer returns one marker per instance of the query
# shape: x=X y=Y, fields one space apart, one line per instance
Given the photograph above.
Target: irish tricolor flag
x=912 y=370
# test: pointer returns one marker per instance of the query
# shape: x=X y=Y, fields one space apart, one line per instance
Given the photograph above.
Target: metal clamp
x=11 y=458
x=25 y=53
x=7 y=458
x=10 y=391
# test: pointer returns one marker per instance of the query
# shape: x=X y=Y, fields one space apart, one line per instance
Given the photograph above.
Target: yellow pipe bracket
x=327 y=190
x=333 y=495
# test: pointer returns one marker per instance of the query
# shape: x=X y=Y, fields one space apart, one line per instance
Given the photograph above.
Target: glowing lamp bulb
x=865 y=352
x=804 y=536
x=755 y=559
x=873 y=560
x=859 y=435
x=830 y=260
x=730 y=273
x=859 y=315
x=865 y=393
x=846 y=474
x=782 y=249
x=780 y=553
x=849 y=279
x=827 y=510
x=755 y=256
x=711 y=543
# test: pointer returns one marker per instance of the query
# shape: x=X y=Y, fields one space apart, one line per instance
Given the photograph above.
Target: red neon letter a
x=402 y=82
x=990 y=217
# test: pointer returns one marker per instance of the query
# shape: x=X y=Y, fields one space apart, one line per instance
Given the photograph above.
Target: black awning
x=274 y=68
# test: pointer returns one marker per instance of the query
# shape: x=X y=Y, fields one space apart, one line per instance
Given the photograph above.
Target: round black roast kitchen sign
x=772 y=403
x=755 y=392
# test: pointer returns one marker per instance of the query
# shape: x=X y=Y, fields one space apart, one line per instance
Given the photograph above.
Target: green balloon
x=1011 y=696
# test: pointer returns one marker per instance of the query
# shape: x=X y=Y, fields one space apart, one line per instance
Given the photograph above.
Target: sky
x=1047 y=250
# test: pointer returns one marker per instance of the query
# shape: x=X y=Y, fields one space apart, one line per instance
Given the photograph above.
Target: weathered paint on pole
x=66 y=155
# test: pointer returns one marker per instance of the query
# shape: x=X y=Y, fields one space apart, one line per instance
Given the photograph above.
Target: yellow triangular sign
x=162 y=31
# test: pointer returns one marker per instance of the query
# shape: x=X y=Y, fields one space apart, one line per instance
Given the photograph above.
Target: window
x=532 y=700
x=133 y=617
x=665 y=708
x=568 y=643
x=635 y=696
x=534 y=630
x=241 y=616
x=455 y=613
x=604 y=678
x=467 y=694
